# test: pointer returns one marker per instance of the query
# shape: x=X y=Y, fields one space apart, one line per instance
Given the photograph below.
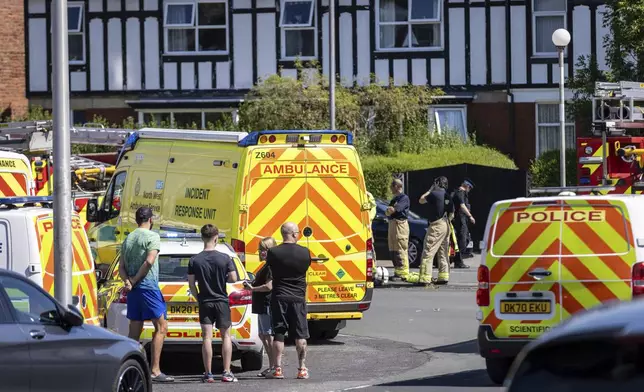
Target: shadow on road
x=467 y=347
x=471 y=379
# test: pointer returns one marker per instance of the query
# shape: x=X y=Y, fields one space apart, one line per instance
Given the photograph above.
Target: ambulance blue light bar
x=253 y=138
x=26 y=199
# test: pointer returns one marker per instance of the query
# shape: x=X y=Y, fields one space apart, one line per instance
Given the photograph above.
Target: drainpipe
x=508 y=74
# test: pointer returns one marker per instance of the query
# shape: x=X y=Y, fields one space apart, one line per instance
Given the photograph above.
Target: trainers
x=265 y=372
x=302 y=373
x=209 y=378
x=275 y=373
x=228 y=377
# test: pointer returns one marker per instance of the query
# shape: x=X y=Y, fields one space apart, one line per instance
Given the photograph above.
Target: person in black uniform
x=437 y=238
x=398 y=231
x=462 y=217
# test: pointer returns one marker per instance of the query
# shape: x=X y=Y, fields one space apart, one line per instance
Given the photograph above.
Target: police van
x=547 y=258
x=248 y=185
x=27 y=247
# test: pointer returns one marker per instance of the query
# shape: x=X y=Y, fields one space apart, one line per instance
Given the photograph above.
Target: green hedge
x=545 y=170
x=379 y=169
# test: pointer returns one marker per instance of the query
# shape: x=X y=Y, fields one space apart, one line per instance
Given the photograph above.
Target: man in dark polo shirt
x=398 y=233
x=288 y=263
x=212 y=269
x=437 y=237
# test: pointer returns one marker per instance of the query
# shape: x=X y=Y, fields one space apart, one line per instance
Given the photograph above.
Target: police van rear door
x=523 y=260
x=598 y=252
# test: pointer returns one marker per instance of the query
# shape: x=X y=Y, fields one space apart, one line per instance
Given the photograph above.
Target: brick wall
x=491 y=122
x=13 y=81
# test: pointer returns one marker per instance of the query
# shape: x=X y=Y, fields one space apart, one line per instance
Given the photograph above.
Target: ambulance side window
x=113 y=198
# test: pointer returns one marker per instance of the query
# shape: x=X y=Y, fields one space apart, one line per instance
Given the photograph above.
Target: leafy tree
x=383 y=119
x=624 y=52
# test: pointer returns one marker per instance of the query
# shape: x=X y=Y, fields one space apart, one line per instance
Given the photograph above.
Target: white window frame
x=143 y=112
x=537 y=14
x=311 y=26
x=193 y=25
x=538 y=125
x=79 y=31
x=434 y=120
x=410 y=22
x=283 y=13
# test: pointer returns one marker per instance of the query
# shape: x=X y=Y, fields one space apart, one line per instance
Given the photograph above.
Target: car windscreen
x=589 y=365
x=174 y=268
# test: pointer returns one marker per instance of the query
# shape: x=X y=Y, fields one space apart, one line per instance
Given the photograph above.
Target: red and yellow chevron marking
x=586 y=244
x=331 y=205
x=83 y=277
x=593 y=167
x=80 y=205
x=13 y=184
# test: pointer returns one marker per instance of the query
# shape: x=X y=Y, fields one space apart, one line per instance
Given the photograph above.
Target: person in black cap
x=139 y=270
x=462 y=217
x=437 y=238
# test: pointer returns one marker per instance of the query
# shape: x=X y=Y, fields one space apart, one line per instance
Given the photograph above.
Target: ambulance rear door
x=523 y=258
x=274 y=192
x=598 y=252
x=15 y=175
x=337 y=227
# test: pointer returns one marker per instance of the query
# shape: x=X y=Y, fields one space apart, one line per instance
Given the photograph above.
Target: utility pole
x=332 y=63
x=62 y=155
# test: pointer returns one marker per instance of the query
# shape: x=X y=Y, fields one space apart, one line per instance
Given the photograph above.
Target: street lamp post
x=561 y=39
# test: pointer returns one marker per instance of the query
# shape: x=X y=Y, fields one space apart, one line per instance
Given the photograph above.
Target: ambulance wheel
x=252 y=361
x=330 y=334
x=414 y=252
x=497 y=369
x=130 y=377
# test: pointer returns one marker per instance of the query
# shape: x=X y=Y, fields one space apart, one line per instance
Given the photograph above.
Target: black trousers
x=462 y=238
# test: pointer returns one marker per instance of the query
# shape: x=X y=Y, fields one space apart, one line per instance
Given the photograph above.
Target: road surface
x=412 y=339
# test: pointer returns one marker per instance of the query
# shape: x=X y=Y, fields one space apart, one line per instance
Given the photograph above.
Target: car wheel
x=414 y=252
x=498 y=368
x=252 y=360
x=130 y=378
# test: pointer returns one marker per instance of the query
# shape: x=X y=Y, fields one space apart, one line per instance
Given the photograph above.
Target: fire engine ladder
x=615 y=110
x=37 y=135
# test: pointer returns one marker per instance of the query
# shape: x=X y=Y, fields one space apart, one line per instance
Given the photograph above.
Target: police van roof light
x=26 y=199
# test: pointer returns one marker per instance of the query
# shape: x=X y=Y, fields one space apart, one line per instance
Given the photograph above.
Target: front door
x=106 y=237
x=56 y=355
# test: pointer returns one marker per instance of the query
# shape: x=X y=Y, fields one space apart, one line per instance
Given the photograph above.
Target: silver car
x=46 y=347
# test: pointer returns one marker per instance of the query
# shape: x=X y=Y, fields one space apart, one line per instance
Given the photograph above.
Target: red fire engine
x=612 y=157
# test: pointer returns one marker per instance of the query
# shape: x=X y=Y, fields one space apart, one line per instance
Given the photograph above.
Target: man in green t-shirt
x=139 y=269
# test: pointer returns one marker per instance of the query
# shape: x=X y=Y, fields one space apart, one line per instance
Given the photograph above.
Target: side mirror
x=99 y=274
x=251 y=276
x=91 y=215
x=72 y=316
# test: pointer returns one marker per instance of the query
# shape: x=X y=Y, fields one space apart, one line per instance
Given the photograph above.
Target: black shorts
x=217 y=313
x=289 y=316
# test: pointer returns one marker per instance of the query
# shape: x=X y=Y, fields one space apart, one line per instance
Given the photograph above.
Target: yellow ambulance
x=547 y=258
x=16 y=177
x=27 y=247
x=248 y=185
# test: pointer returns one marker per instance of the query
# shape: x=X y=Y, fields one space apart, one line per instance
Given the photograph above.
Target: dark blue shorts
x=145 y=304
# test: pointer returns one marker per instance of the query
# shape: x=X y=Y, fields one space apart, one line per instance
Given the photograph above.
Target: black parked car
x=597 y=350
x=417 y=230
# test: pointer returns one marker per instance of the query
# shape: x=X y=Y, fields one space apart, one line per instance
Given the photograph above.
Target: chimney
x=13 y=82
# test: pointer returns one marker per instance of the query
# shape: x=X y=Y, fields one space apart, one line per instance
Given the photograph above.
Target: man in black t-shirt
x=212 y=270
x=437 y=236
x=462 y=216
x=288 y=263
